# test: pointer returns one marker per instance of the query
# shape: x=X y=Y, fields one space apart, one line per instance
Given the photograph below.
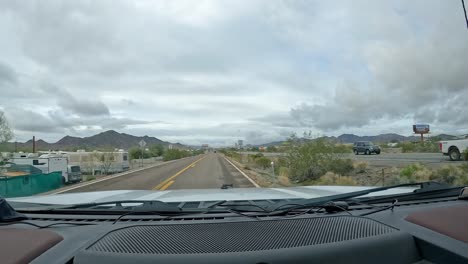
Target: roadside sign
x=421 y=128
x=142 y=143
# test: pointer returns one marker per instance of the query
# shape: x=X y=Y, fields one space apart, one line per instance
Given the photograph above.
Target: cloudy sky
x=217 y=71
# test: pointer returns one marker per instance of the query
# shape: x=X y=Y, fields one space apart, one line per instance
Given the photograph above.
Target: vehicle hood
x=193 y=195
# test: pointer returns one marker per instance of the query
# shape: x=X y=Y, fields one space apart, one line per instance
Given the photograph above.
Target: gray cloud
x=72 y=104
x=27 y=120
x=224 y=70
x=7 y=75
x=418 y=77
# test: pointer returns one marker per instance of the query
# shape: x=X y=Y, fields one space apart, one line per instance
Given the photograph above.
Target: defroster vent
x=226 y=237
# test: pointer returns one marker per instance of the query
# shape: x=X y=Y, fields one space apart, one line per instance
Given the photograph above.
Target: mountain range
x=111 y=139
x=105 y=140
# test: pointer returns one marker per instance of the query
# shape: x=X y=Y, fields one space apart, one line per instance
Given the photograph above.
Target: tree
x=6 y=134
x=156 y=150
x=107 y=158
x=134 y=153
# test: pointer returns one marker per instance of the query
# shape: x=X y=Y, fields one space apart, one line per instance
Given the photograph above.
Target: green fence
x=29 y=184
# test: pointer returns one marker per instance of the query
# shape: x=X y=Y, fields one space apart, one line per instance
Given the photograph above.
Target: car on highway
x=454 y=148
x=365 y=147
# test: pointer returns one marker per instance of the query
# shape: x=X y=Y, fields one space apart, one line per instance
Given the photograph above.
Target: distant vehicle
x=46 y=163
x=453 y=148
x=365 y=147
x=74 y=173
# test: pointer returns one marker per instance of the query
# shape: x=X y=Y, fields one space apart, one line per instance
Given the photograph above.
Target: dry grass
x=284 y=181
x=360 y=166
x=331 y=178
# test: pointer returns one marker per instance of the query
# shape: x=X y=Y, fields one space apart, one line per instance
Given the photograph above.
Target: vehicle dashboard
x=427 y=231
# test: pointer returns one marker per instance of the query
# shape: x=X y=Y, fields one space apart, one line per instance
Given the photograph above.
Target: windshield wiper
x=322 y=201
x=143 y=206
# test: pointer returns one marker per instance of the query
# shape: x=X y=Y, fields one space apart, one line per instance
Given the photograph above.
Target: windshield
x=75 y=168
x=220 y=100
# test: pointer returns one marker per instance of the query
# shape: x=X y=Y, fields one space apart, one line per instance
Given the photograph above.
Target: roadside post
x=273 y=170
x=142 y=144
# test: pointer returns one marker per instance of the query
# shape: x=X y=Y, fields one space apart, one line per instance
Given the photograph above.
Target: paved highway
x=403 y=159
x=200 y=172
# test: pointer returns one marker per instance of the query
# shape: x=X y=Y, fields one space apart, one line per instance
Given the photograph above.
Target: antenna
x=464 y=10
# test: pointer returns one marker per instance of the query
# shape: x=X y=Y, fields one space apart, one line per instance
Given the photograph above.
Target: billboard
x=421 y=129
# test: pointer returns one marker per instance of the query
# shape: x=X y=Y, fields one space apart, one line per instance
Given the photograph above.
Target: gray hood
x=193 y=195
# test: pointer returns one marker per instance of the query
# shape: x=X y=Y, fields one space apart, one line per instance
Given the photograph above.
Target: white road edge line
x=245 y=175
x=112 y=177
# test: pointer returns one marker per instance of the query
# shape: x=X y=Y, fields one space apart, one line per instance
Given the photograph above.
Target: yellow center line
x=166 y=185
x=160 y=185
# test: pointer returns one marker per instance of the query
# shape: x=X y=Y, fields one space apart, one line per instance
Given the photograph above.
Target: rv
x=47 y=163
x=99 y=162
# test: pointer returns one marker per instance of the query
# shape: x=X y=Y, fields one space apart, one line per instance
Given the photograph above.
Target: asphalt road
x=200 y=172
x=403 y=159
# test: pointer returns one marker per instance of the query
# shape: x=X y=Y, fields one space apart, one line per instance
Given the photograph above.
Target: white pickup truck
x=453 y=148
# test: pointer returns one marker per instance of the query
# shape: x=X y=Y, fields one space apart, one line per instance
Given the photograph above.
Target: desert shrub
x=414 y=173
x=263 y=162
x=341 y=166
x=173 y=154
x=447 y=174
x=360 y=166
x=284 y=181
x=426 y=147
x=311 y=159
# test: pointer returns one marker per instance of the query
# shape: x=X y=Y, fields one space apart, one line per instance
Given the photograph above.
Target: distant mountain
x=106 y=140
x=447 y=137
x=350 y=138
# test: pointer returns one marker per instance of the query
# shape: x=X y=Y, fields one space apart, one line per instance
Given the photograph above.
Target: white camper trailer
x=99 y=162
x=47 y=163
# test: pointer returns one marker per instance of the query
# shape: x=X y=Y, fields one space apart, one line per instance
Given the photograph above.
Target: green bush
x=426 y=147
x=308 y=160
x=263 y=162
x=281 y=162
x=271 y=149
x=341 y=166
x=156 y=150
x=257 y=155
x=415 y=173
x=447 y=174
x=90 y=178
x=137 y=153
x=173 y=154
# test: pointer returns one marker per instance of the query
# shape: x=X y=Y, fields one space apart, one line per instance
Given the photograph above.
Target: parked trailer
x=47 y=164
x=99 y=162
